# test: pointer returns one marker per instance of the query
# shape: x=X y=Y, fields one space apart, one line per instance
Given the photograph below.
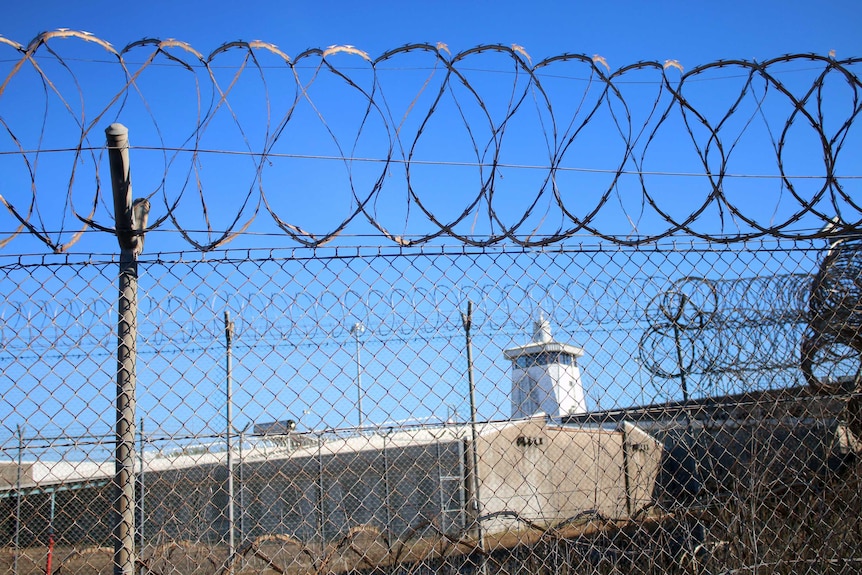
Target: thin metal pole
x=467 y=320
x=357 y=330
x=677 y=341
x=228 y=335
x=49 y=570
x=689 y=439
x=241 y=486
x=359 y=379
x=18 y=496
x=320 y=521
x=679 y=358
x=626 y=474
x=386 y=495
x=143 y=489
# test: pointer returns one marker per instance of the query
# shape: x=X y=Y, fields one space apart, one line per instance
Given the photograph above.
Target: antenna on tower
x=542 y=329
x=541 y=325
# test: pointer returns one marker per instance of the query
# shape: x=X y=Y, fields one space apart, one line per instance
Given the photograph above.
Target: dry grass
x=801 y=529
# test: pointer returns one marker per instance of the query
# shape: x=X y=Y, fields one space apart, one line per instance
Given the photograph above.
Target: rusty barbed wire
x=587 y=149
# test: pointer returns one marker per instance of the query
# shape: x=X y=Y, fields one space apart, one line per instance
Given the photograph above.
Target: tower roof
x=542 y=342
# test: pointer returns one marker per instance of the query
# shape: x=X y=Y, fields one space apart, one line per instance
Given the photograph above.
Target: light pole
x=357 y=330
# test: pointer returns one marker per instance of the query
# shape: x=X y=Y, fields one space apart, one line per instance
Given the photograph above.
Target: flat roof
x=542 y=347
x=41 y=473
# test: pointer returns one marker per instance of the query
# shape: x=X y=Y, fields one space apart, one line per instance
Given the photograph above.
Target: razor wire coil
x=388 y=126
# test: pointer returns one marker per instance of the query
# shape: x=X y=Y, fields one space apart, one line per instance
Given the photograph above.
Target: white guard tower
x=545 y=376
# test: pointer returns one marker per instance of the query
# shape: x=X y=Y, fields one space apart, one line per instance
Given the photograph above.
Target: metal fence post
x=467 y=321
x=131 y=220
x=228 y=335
x=20 y=433
x=143 y=488
x=357 y=330
x=241 y=479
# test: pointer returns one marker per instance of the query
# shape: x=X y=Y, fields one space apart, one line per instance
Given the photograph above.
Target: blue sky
x=623 y=33
x=692 y=32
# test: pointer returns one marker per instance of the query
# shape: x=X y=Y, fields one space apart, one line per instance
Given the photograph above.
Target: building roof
x=746 y=405
x=533 y=347
x=41 y=473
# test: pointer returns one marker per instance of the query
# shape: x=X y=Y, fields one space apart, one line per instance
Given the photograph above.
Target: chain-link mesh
x=700 y=444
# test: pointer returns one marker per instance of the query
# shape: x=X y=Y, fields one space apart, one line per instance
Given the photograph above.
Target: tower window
x=544 y=358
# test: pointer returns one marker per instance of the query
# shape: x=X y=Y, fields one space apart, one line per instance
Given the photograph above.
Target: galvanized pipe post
x=131 y=221
x=467 y=321
x=143 y=488
x=20 y=433
x=357 y=330
x=241 y=479
x=228 y=336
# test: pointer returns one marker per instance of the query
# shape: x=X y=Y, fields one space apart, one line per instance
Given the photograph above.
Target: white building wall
x=554 y=389
x=569 y=389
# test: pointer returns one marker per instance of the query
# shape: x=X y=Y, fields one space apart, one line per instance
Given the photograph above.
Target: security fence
x=629 y=379
x=702 y=447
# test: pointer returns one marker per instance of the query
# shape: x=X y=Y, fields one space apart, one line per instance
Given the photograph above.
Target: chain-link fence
x=580 y=367
x=654 y=420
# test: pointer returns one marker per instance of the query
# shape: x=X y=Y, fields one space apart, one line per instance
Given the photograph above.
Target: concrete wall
x=401 y=487
x=9 y=474
x=547 y=474
x=311 y=497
